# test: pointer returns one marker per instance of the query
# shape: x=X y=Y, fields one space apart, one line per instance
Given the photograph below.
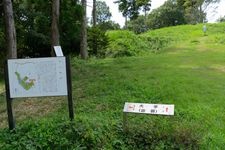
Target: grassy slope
x=189 y=74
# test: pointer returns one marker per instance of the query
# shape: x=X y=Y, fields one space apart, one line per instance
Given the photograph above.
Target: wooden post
x=69 y=89
x=8 y=99
x=125 y=123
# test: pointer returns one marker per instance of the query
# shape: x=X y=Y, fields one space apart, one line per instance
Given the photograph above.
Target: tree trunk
x=201 y=14
x=10 y=31
x=94 y=13
x=54 y=26
x=125 y=22
x=95 y=50
x=83 y=44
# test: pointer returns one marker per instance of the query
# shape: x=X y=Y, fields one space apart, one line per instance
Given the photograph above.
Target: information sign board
x=37 y=77
x=143 y=108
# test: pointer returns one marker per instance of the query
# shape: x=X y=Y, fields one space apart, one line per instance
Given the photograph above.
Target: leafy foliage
x=169 y=14
x=124 y=43
x=221 y=19
x=195 y=11
x=97 y=41
x=102 y=12
x=145 y=4
x=33 y=21
x=109 y=25
x=193 y=14
x=138 y=25
x=70 y=24
x=32 y=25
x=130 y=8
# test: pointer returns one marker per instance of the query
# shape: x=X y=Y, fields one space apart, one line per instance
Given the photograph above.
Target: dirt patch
x=31 y=108
x=217 y=67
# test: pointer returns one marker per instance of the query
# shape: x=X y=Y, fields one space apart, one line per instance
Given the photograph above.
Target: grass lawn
x=189 y=74
x=189 y=77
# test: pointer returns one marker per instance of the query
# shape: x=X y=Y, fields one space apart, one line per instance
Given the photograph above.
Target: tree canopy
x=33 y=27
x=131 y=8
x=102 y=12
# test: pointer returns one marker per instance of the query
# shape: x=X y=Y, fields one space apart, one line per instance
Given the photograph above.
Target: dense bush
x=125 y=43
x=97 y=41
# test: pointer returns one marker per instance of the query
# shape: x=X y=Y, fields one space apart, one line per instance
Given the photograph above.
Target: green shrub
x=125 y=43
x=97 y=41
x=220 y=39
x=157 y=43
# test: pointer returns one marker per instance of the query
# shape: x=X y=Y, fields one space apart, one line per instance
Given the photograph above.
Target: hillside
x=188 y=71
x=126 y=43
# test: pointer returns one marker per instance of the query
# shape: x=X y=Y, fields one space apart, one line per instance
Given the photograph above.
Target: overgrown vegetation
x=188 y=72
x=126 y=43
x=97 y=41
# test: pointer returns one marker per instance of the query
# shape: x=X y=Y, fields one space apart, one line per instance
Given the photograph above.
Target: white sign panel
x=37 y=77
x=58 y=51
x=158 y=109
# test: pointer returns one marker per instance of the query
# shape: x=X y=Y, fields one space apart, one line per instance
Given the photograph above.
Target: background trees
x=169 y=14
x=70 y=26
x=221 y=19
x=130 y=8
x=97 y=39
x=38 y=24
x=33 y=26
x=33 y=20
x=195 y=11
x=103 y=13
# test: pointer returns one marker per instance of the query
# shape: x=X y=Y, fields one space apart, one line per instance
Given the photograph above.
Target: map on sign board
x=37 y=77
x=157 y=109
